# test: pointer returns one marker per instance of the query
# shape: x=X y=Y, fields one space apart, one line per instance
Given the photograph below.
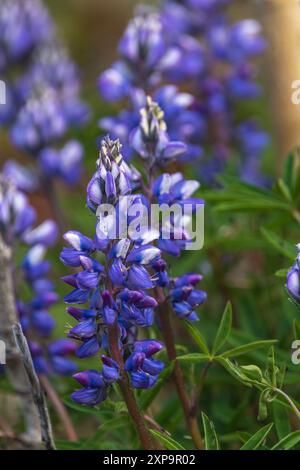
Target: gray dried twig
x=37 y=391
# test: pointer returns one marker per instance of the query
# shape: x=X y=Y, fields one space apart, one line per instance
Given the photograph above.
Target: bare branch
x=14 y=365
x=37 y=391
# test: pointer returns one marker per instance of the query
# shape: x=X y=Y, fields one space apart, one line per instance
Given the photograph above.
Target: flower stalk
x=127 y=392
x=167 y=331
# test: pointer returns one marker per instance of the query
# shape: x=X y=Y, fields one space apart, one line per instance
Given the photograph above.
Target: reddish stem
x=127 y=392
x=167 y=331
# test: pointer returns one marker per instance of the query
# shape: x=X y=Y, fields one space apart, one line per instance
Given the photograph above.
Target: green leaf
x=167 y=441
x=253 y=372
x=210 y=437
x=246 y=348
x=224 y=329
x=296 y=329
x=262 y=406
x=282 y=273
x=248 y=204
x=288 y=170
x=63 y=444
x=197 y=336
x=258 y=438
x=284 y=189
x=149 y=395
x=285 y=248
x=194 y=358
x=291 y=170
x=272 y=369
x=235 y=371
x=289 y=441
x=281 y=419
x=81 y=408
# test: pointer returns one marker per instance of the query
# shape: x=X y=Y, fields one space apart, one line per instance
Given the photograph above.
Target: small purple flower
x=293 y=280
x=185 y=297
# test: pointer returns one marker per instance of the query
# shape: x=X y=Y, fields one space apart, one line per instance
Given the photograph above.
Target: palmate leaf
x=258 y=438
x=224 y=329
x=168 y=442
x=288 y=442
x=210 y=436
x=285 y=248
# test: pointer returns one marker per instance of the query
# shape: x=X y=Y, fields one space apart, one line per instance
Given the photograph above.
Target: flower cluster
x=42 y=89
x=116 y=292
x=16 y=225
x=114 y=288
x=96 y=384
x=185 y=297
x=191 y=42
x=293 y=280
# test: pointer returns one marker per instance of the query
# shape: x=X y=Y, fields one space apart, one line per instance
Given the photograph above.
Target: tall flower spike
x=43 y=99
x=112 y=178
x=195 y=43
x=112 y=298
x=16 y=223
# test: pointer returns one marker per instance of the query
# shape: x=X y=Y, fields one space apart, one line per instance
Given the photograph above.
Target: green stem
x=289 y=400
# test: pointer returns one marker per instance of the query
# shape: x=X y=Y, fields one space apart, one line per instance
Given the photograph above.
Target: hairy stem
x=59 y=407
x=14 y=362
x=127 y=392
x=167 y=331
